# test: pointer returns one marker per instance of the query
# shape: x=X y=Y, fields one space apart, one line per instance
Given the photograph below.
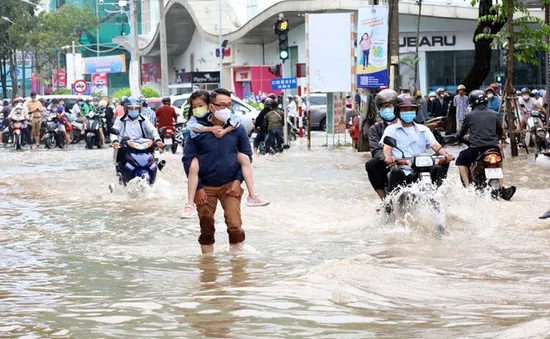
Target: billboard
x=372 y=47
x=100 y=84
x=330 y=64
x=150 y=73
x=105 y=64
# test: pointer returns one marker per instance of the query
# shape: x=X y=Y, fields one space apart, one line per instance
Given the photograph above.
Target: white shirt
x=133 y=128
x=292 y=112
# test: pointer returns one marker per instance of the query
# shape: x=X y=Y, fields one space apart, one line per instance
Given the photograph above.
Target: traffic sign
x=80 y=86
x=283 y=83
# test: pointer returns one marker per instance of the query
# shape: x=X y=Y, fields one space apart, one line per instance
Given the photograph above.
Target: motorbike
x=77 y=130
x=4 y=123
x=52 y=137
x=168 y=136
x=92 y=130
x=533 y=123
x=141 y=160
x=179 y=136
x=422 y=166
x=18 y=123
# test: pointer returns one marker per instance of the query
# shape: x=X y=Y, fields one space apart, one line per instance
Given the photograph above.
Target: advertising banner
x=100 y=84
x=339 y=109
x=150 y=73
x=372 y=47
x=106 y=64
x=60 y=78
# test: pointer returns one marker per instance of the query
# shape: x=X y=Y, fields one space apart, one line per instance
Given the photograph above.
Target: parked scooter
x=533 y=123
x=77 y=130
x=92 y=130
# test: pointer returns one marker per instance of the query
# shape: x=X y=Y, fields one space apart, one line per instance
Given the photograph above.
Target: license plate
x=156 y=155
x=493 y=173
x=168 y=142
x=254 y=135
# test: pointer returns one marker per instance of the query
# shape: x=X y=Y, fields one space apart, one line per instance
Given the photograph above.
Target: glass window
x=239 y=107
x=318 y=100
x=178 y=103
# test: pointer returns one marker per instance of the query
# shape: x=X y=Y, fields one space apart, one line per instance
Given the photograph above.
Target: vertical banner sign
x=372 y=47
x=100 y=84
x=339 y=109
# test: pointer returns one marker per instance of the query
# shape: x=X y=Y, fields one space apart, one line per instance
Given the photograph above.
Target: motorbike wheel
x=90 y=143
x=50 y=141
x=75 y=136
x=174 y=148
x=17 y=141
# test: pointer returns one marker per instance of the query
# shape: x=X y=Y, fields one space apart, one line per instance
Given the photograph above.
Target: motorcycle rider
x=4 y=122
x=146 y=111
x=261 y=130
x=120 y=110
x=412 y=139
x=274 y=124
x=134 y=126
x=526 y=105
x=166 y=114
x=376 y=167
x=485 y=133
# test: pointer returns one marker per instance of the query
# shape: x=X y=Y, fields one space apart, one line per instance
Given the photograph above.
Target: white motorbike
x=533 y=123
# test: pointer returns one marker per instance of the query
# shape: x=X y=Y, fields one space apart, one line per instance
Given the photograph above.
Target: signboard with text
x=372 y=47
x=105 y=64
x=339 y=109
x=283 y=83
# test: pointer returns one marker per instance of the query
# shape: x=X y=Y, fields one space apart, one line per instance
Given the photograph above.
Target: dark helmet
x=268 y=102
x=405 y=100
x=386 y=96
x=477 y=97
x=272 y=96
x=166 y=100
x=124 y=100
x=5 y=102
x=275 y=105
x=525 y=90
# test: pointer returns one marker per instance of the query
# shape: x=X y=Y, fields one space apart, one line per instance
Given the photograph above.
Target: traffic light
x=276 y=70
x=281 y=29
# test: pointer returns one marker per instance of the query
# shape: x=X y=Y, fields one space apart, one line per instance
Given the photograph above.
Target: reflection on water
x=79 y=262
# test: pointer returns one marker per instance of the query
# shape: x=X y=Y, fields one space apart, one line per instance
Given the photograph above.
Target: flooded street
x=79 y=262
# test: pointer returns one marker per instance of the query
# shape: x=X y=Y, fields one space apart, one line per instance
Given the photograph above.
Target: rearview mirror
x=390 y=141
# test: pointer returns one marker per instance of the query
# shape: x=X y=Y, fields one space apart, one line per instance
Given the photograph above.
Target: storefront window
x=448 y=69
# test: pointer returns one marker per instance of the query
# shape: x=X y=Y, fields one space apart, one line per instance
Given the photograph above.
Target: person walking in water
x=365 y=44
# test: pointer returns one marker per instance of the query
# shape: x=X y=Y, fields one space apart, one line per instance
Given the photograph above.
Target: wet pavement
x=79 y=262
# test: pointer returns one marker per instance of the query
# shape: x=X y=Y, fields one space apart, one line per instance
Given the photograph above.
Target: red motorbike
x=167 y=134
x=18 y=123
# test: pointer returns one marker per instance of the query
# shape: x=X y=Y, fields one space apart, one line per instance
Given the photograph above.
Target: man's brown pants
x=232 y=212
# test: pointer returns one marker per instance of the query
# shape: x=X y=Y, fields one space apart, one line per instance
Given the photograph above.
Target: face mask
x=223 y=115
x=525 y=97
x=33 y=99
x=133 y=113
x=62 y=103
x=490 y=95
x=200 y=112
x=387 y=114
x=408 y=116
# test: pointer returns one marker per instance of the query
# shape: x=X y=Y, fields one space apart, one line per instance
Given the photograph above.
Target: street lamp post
x=220 y=42
x=97 y=29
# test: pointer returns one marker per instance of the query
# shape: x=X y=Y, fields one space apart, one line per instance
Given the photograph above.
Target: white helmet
x=542 y=161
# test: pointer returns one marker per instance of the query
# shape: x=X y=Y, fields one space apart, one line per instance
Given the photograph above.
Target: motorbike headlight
x=140 y=146
x=423 y=161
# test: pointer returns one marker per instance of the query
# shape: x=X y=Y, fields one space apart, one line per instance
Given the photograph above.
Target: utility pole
x=547 y=20
x=163 y=51
x=135 y=76
x=74 y=62
x=97 y=29
x=394 y=44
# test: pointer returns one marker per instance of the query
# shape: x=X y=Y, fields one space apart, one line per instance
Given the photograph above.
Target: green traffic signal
x=283 y=55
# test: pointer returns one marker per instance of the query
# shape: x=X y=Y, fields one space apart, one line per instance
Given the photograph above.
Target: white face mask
x=525 y=97
x=490 y=95
x=223 y=114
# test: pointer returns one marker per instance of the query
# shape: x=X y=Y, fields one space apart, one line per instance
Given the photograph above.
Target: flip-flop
x=546 y=215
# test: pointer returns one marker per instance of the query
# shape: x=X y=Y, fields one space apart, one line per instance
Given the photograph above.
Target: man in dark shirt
x=485 y=133
x=166 y=114
x=259 y=124
x=220 y=174
x=376 y=167
x=439 y=104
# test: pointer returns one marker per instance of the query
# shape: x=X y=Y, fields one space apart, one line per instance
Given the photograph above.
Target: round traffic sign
x=80 y=86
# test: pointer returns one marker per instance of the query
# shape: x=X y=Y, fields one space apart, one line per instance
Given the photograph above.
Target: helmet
x=405 y=100
x=268 y=102
x=477 y=97
x=495 y=86
x=132 y=102
x=535 y=92
x=490 y=89
x=439 y=90
x=124 y=100
x=166 y=100
x=418 y=94
x=386 y=96
x=115 y=101
x=272 y=96
x=5 y=102
x=525 y=90
x=263 y=97
x=103 y=103
x=432 y=95
x=461 y=87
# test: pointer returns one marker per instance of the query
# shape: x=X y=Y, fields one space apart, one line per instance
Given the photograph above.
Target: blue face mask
x=387 y=114
x=133 y=113
x=408 y=116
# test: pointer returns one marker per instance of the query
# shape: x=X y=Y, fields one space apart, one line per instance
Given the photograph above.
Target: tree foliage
x=147 y=92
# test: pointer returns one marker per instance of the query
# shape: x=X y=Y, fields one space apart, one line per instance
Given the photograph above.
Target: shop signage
x=429 y=41
x=199 y=77
x=242 y=75
x=106 y=64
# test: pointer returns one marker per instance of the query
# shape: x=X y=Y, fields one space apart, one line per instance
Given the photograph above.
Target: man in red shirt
x=166 y=114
